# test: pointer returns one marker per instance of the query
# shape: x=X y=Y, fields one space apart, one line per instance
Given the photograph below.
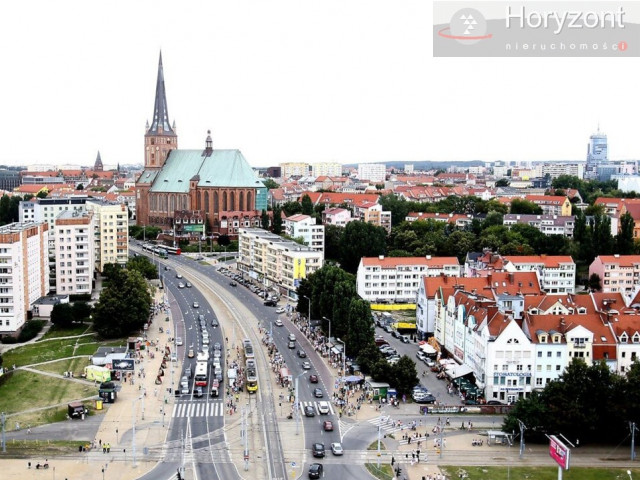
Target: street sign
x=559 y=452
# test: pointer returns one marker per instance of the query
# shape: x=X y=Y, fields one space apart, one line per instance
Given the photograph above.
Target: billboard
x=194 y=228
x=124 y=364
x=559 y=452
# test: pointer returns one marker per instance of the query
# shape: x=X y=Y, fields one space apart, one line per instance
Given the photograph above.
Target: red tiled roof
x=548 y=199
x=622 y=260
x=548 y=260
x=392 y=262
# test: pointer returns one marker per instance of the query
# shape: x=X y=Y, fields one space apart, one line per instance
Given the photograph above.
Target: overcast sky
x=328 y=80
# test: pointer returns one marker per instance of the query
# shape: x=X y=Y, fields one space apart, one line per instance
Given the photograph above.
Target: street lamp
x=629 y=473
x=309 y=318
x=133 y=431
x=344 y=358
x=328 y=320
x=103 y=469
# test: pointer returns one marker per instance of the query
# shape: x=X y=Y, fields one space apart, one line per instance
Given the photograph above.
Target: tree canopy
x=124 y=304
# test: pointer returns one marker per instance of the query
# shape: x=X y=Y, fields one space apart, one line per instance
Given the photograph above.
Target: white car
x=196 y=305
x=323 y=408
x=280 y=310
x=181 y=285
x=278 y=323
x=336 y=449
x=178 y=340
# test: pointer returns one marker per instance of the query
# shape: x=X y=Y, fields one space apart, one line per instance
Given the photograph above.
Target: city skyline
x=292 y=81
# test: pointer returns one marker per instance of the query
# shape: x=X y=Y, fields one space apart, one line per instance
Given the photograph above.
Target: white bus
x=201 y=374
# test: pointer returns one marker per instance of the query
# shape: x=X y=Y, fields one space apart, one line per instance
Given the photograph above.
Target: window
x=548 y=354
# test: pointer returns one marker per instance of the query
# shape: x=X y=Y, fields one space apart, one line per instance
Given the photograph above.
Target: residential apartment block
x=111 y=233
x=336 y=216
x=397 y=279
x=373 y=172
x=618 y=273
x=551 y=204
x=74 y=252
x=294 y=169
x=547 y=224
x=371 y=212
x=275 y=261
x=24 y=272
x=304 y=226
x=329 y=169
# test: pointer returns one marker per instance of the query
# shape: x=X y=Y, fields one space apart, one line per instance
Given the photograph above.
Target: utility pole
x=523 y=427
x=133 y=437
x=4 y=440
x=632 y=427
x=245 y=438
x=297 y=405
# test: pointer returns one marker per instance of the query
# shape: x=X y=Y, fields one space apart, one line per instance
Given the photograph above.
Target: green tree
x=361 y=326
x=123 y=307
x=62 y=315
x=291 y=208
x=398 y=207
x=503 y=182
x=81 y=311
x=224 y=240
x=532 y=411
x=42 y=194
x=143 y=265
x=5 y=209
x=595 y=282
x=277 y=220
x=404 y=375
x=361 y=239
x=264 y=220
x=270 y=183
x=307 y=205
x=624 y=239
x=79 y=186
x=332 y=238
x=522 y=206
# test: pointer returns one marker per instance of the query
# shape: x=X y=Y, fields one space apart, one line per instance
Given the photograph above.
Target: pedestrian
x=100 y=442
x=104 y=448
x=29 y=465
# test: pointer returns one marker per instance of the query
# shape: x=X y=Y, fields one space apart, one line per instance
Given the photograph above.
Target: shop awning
x=458 y=371
x=428 y=349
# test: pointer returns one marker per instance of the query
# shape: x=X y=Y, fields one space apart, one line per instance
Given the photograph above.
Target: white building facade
x=111 y=233
x=304 y=226
x=372 y=172
x=74 y=252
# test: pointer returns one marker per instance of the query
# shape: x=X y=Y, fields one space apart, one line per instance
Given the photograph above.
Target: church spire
x=97 y=166
x=160 y=124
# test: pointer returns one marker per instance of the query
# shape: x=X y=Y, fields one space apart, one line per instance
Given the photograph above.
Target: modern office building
x=597 y=155
x=24 y=272
x=74 y=252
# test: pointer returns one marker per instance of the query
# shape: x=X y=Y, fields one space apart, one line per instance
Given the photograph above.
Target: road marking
x=198 y=409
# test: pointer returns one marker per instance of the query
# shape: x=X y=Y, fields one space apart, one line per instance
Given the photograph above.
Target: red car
x=328 y=426
x=313 y=378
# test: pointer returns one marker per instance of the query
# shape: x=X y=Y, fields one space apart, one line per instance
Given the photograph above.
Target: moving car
x=336 y=448
x=323 y=408
x=317 y=392
x=191 y=353
x=302 y=354
x=292 y=345
x=313 y=378
x=178 y=340
x=315 y=469
x=178 y=275
x=328 y=426
x=280 y=310
x=197 y=392
x=181 y=285
x=233 y=284
x=306 y=365
x=318 y=450
x=278 y=323
x=196 y=305
x=309 y=411
x=189 y=285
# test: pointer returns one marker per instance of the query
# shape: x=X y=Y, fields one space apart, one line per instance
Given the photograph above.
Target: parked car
x=404 y=338
x=233 y=284
x=270 y=303
x=178 y=340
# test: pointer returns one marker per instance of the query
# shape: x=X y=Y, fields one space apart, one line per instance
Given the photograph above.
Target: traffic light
x=393 y=460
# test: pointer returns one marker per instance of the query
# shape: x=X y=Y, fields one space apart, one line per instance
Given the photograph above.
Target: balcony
x=579 y=345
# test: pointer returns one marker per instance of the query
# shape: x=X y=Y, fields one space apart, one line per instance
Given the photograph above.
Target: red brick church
x=214 y=187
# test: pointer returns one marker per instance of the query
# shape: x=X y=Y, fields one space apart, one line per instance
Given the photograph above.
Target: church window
x=249 y=201
x=206 y=202
x=198 y=202
x=233 y=200
x=216 y=204
x=224 y=201
x=241 y=202
x=173 y=203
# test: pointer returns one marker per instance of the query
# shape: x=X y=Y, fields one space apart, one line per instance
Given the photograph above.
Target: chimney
x=489 y=279
x=428 y=257
x=380 y=257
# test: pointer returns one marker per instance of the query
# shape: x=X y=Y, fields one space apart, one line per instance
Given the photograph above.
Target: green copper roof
x=223 y=168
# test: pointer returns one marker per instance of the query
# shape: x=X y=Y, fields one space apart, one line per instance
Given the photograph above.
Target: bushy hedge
x=30 y=330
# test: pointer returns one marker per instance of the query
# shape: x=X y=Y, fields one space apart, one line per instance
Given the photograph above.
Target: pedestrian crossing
x=198 y=409
x=386 y=424
x=316 y=408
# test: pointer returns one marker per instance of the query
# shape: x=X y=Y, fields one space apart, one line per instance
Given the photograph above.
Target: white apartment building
x=304 y=226
x=275 y=261
x=24 y=272
x=326 y=169
x=397 y=279
x=557 y=169
x=547 y=224
x=557 y=273
x=294 y=169
x=111 y=233
x=372 y=172
x=74 y=252
x=48 y=209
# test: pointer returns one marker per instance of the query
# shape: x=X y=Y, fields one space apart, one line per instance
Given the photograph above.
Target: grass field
x=75 y=365
x=385 y=472
x=41 y=449
x=23 y=390
x=537 y=473
x=55 y=332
